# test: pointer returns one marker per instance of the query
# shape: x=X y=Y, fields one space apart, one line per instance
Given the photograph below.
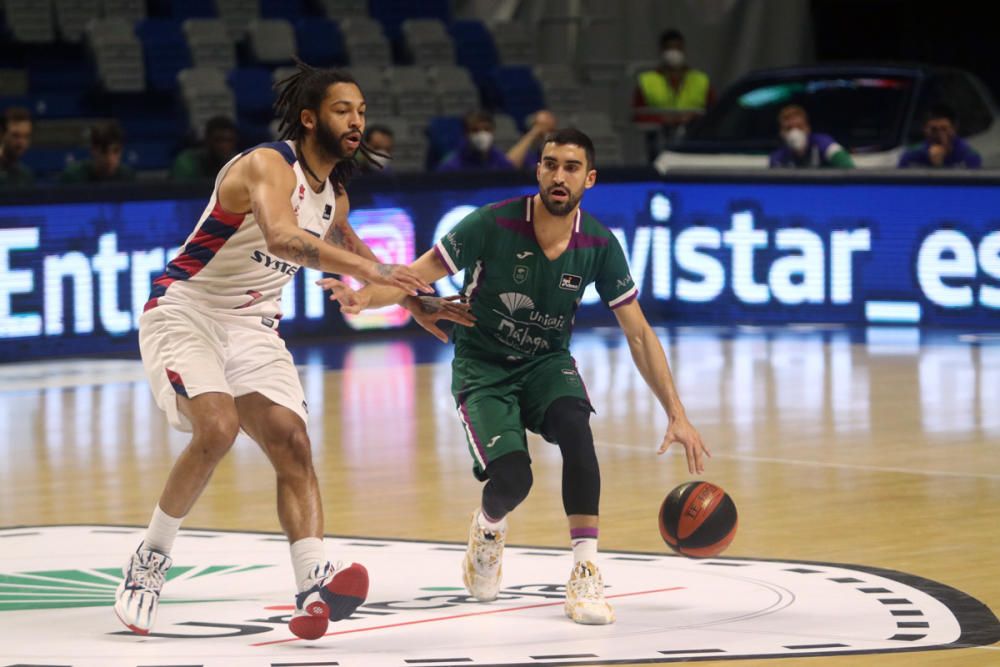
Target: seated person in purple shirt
x=804 y=148
x=943 y=147
x=477 y=150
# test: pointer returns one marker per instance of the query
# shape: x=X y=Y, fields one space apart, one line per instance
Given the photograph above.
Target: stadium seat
x=117 y=54
x=148 y=155
x=72 y=17
x=205 y=94
x=289 y=10
x=505 y=131
x=376 y=89
x=30 y=21
x=320 y=42
x=474 y=48
x=130 y=10
x=209 y=43
x=413 y=93
x=427 y=42
x=455 y=90
x=165 y=51
x=392 y=13
x=342 y=9
x=563 y=93
x=443 y=135
x=50 y=162
x=519 y=91
x=237 y=14
x=365 y=42
x=182 y=10
x=252 y=92
x=272 y=41
x=514 y=43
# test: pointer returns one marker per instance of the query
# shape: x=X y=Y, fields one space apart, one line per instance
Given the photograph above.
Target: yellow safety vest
x=693 y=93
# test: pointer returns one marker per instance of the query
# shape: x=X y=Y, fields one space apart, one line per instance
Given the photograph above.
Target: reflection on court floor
x=876 y=448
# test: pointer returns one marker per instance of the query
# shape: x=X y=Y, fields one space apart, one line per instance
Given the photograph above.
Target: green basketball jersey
x=524 y=303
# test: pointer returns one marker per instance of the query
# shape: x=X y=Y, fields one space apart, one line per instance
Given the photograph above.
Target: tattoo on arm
x=303 y=252
x=337 y=236
x=384 y=270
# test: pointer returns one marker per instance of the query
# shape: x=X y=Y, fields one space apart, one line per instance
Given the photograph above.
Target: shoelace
x=148 y=574
x=588 y=585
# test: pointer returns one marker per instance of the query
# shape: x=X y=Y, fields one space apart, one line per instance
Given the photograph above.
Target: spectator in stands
x=379 y=138
x=942 y=147
x=803 y=148
x=204 y=162
x=105 y=163
x=15 y=138
x=476 y=150
x=673 y=94
x=527 y=151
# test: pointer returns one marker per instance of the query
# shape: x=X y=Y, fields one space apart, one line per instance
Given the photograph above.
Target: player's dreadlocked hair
x=305 y=89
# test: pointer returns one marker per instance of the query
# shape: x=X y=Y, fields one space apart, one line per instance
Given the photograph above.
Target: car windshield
x=865 y=114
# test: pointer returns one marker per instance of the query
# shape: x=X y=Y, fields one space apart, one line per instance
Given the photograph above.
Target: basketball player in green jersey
x=527 y=262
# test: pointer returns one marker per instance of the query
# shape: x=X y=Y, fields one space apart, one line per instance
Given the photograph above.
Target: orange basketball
x=698 y=519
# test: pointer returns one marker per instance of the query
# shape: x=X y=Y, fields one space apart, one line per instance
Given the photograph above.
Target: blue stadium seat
x=392 y=13
x=251 y=87
x=49 y=162
x=148 y=155
x=320 y=42
x=519 y=93
x=165 y=51
x=181 y=9
x=57 y=105
x=290 y=10
x=474 y=48
x=443 y=134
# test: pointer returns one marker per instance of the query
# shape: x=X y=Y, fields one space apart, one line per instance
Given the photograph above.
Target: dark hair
x=105 y=135
x=14 y=115
x=940 y=110
x=217 y=123
x=478 y=116
x=305 y=90
x=670 y=35
x=373 y=129
x=571 y=135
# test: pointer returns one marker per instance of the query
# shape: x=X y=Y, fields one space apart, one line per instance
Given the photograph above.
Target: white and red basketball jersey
x=224 y=264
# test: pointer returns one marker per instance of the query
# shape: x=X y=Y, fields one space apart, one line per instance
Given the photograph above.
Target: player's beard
x=560 y=208
x=331 y=144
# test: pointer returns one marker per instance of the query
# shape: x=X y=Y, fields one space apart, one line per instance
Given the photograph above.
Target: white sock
x=585 y=548
x=491 y=526
x=307 y=553
x=161 y=531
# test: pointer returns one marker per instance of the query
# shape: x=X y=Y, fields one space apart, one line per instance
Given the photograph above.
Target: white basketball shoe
x=338 y=590
x=585 y=601
x=482 y=567
x=138 y=595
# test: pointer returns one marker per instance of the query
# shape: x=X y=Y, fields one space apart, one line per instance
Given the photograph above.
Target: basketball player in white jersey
x=211 y=349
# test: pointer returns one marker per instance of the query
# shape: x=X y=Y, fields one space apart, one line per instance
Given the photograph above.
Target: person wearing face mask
x=476 y=150
x=380 y=139
x=942 y=147
x=803 y=148
x=673 y=87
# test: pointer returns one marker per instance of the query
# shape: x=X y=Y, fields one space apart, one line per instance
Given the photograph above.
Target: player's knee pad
x=567 y=421
x=510 y=480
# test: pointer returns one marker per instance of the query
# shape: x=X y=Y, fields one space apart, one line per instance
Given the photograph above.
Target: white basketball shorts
x=188 y=352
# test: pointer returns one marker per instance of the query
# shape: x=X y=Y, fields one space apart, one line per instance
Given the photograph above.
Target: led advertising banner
x=75 y=276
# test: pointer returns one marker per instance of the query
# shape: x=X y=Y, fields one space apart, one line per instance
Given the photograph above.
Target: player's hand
x=395 y=275
x=682 y=431
x=350 y=301
x=428 y=310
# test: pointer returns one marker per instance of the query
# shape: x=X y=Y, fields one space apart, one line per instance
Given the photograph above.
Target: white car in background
x=874 y=111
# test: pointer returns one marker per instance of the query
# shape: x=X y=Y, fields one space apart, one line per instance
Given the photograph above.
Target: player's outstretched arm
x=269 y=184
x=647 y=353
x=426 y=310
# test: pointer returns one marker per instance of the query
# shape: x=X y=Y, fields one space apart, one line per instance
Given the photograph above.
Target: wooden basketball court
x=878 y=448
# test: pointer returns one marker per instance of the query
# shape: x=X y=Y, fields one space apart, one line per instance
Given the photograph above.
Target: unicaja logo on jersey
x=515 y=301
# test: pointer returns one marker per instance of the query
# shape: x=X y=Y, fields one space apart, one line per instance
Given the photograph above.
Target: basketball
x=698 y=519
